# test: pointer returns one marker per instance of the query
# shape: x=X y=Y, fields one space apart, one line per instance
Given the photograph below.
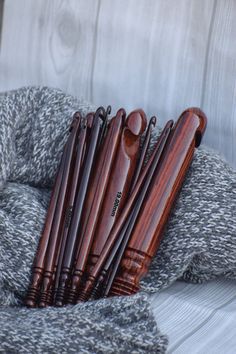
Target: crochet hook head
x=203 y=122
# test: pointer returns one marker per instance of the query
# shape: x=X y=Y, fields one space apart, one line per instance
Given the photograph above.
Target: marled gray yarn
x=199 y=242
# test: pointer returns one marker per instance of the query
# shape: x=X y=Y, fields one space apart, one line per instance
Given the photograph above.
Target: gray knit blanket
x=199 y=243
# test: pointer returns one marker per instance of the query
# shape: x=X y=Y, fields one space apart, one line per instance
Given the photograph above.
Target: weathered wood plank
x=157 y=54
x=152 y=54
x=48 y=43
x=219 y=94
x=1 y=16
x=198 y=316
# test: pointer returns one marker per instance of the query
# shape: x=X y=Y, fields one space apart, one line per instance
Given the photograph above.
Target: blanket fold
x=199 y=242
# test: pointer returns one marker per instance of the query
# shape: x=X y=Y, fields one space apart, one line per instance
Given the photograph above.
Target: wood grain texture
x=117 y=235
x=72 y=239
x=41 y=255
x=119 y=184
x=1 y=17
x=198 y=316
x=160 y=55
x=51 y=42
x=163 y=190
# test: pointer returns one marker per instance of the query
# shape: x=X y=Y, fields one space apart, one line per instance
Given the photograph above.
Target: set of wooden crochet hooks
x=111 y=199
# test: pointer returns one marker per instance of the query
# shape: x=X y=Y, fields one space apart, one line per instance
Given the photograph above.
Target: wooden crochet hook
x=104 y=281
x=145 y=147
x=58 y=220
x=103 y=165
x=104 y=125
x=117 y=251
x=166 y=183
x=128 y=228
x=117 y=191
x=119 y=185
x=101 y=162
x=83 y=138
x=103 y=171
x=117 y=228
x=38 y=267
x=77 y=212
x=86 y=124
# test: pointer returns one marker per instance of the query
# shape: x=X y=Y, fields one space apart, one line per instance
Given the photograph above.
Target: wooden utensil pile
x=108 y=207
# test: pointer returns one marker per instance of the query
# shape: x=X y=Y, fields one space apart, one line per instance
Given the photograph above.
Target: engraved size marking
x=116 y=203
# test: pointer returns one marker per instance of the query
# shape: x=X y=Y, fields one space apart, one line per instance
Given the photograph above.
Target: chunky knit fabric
x=199 y=243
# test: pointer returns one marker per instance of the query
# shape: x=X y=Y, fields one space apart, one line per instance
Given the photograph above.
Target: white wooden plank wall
x=162 y=55
x=1 y=16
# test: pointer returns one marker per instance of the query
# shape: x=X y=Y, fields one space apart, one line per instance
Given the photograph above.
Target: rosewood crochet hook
x=115 y=232
x=77 y=212
x=117 y=251
x=60 y=249
x=104 y=124
x=128 y=228
x=166 y=183
x=72 y=193
x=56 y=230
x=114 y=135
x=37 y=272
x=104 y=160
x=119 y=185
x=68 y=211
x=144 y=150
x=38 y=267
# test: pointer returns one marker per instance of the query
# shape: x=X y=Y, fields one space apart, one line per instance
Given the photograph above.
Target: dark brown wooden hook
x=59 y=216
x=119 y=185
x=144 y=150
x=114 y=234
x=77 y=212
x=116 y=252
x=162 y=193
x=38 y=267
x=104 y=171
x=72 y=193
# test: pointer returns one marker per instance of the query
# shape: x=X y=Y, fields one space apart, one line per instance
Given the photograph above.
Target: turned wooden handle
x=164 y=188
